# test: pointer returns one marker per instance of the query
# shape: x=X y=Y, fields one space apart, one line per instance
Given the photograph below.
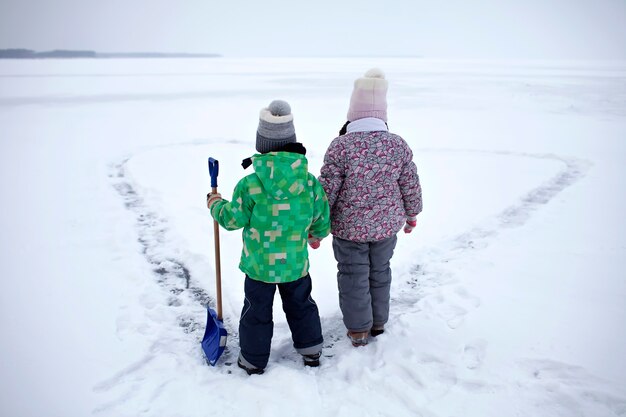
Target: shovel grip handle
x=214 y=169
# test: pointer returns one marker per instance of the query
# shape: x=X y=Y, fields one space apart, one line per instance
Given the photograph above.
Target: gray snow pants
x=364 y=280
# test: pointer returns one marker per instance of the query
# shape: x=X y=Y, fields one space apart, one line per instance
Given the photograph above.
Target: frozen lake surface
x=508 y=298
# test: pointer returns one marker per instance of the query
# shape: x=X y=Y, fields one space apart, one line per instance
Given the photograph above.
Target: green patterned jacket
x=277 y=206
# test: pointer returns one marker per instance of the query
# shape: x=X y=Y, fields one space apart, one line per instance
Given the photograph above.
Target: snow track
x=430 y=270
x=174 y=277
x=170 y=273
x=431 y=288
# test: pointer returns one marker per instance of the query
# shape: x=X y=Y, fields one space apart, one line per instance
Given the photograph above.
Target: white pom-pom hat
x=369 y=97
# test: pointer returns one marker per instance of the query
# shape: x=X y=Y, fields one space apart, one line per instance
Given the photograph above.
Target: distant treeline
x=27 y=53
x=60 y=53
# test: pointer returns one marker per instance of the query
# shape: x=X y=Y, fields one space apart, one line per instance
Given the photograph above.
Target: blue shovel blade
x=214 y=340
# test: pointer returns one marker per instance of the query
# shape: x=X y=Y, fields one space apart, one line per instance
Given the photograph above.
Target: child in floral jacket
x=280 y=207
x=374 y=191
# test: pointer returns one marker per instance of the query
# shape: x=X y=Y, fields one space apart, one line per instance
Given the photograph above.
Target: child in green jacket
x=280 y=207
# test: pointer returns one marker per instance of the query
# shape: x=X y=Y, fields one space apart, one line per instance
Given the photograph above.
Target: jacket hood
x=283 y=174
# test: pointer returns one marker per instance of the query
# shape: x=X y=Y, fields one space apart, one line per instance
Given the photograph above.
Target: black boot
x=248 y=369
x=312 y=360
x=377 y=330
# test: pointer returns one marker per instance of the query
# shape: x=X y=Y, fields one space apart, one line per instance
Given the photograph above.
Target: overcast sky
x=527 y=29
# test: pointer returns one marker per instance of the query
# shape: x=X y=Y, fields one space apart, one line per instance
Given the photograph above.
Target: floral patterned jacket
x=372 y=185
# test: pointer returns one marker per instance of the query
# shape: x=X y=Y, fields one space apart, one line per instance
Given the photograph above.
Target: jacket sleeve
x=320 y=227
x=410 y=187
x=235 y=214
x=333 y=171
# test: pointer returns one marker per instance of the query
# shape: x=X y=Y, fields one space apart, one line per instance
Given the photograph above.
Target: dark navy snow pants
x=364 y=281
x=256 y=325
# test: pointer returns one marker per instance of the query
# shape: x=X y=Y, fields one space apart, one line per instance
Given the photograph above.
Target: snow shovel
x=214 y=340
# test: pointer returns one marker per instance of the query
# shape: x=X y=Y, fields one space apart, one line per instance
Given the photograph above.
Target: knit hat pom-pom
x=279 y=108
x=375 y=73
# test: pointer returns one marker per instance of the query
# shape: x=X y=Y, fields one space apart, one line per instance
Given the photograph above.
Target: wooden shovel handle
x=218 y=266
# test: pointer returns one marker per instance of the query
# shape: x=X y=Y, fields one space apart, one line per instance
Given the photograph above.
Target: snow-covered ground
x=509 y=298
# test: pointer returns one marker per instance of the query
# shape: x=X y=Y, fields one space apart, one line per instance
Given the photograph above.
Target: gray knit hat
x=275 y=127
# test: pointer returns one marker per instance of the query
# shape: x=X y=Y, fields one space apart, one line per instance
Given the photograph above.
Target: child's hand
x=212 y=198
x=314 y=242
x=410 y=224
